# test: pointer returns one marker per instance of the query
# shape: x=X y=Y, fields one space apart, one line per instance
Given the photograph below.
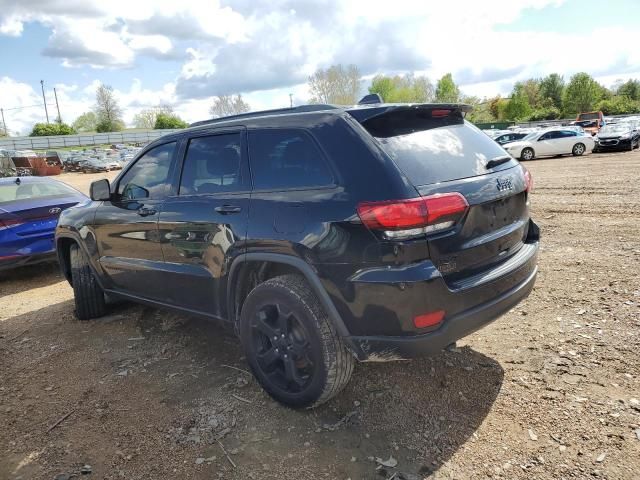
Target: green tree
x=552 y=88
x=481 y=112
x=225 y=105
x=619 y=105
x=106 y=126
x=336 y=85
x=531 y=89
x=518 y=108
x=46 y=129
x=107 y=110
x=402 y=89
x=447 y=91
x=86 y=122
x=630 y=89
x=582 y=94
x=165 y=120
x=147 y=118
x=545 y=113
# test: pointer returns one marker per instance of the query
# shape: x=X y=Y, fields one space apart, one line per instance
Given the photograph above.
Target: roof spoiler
x=437 y=109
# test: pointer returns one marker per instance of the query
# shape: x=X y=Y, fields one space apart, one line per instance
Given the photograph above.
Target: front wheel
x=578 y=149
x=88 y=295
x=527 y=154
x=291 y=345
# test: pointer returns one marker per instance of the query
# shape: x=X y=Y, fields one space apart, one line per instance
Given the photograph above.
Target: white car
x=555 y=141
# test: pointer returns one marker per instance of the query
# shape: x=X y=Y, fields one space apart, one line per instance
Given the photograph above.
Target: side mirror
x=100 y=190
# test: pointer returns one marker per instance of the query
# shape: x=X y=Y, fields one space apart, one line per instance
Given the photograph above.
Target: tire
x=578 y=149
x=89 y=296
x=291 y=345
x=527 y=154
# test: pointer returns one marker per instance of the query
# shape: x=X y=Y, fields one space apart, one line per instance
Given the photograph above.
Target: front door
x=549 y=144
x=126 y=227
x=204 y=225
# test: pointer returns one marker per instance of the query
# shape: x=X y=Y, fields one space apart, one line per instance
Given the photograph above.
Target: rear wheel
x=527 y=154
x=89 y=296
x=578 y=149
x=291 y=345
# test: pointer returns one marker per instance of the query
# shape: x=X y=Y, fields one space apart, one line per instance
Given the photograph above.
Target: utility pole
x=46 y=112
x=57 y=106
x=4 y=124
x=291 y=100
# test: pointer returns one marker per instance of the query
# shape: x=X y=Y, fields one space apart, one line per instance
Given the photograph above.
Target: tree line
x=546 y=98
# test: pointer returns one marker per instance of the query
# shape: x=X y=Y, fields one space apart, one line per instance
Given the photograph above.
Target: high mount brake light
x=400 y=219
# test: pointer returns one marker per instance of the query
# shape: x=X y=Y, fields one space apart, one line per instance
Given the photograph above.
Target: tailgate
x=440 y=153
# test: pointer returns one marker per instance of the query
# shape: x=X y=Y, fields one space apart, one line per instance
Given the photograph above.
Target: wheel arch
x=262 y=266
x=63 y=251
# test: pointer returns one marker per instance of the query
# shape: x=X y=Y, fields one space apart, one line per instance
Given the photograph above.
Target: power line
x=28 y=106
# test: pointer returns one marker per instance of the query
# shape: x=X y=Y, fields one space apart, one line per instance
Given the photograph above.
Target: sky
x=182 y=53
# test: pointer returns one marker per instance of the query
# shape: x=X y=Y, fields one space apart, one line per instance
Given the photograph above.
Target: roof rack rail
x=263 y=113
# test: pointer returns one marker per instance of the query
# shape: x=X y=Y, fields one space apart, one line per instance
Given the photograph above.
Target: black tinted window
x=149 y=176
x=445 y=153
x=212 y=165
x=286 y=159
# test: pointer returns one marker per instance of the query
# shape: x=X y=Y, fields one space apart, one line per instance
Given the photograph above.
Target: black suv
x=323 y=235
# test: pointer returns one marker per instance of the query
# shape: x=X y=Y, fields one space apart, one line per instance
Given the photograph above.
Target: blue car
x=29 y=210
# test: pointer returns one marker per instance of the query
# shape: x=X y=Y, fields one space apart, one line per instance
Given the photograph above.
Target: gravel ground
x=549 y=391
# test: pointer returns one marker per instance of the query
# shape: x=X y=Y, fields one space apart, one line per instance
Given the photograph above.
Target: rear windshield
x=445 y=153
x=12 y=192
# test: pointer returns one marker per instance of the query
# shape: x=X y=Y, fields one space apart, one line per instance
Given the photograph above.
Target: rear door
x=203 y=225
x=442 y=155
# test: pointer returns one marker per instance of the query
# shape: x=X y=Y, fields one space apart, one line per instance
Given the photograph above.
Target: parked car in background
x=509 y=137
x=112 y=163
x=592 y=122
x=29 y=210
x=618 y=136
x=551 y=142
x=93 y=165
x=323 y=235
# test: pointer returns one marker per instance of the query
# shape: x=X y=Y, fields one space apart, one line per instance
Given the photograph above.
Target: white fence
x=58 y=141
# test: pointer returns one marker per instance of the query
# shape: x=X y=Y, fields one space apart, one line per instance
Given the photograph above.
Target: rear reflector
x=409 y=218
x=429 y=319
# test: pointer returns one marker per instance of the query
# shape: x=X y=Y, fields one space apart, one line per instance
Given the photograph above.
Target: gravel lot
x=549 y=391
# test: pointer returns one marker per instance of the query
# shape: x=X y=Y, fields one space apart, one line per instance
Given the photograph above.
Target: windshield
x=12 y=192
x=530 y=136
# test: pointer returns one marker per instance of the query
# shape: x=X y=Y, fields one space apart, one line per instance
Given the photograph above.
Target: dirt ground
x=551 y=390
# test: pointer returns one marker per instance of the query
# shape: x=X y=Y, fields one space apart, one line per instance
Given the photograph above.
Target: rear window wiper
x=494 y=162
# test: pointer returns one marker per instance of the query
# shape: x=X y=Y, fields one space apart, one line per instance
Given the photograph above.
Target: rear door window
x=433 y=155
x=286 y=158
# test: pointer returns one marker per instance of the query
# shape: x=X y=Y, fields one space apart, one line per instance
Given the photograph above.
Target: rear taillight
x=528 y=179
x=400 y=219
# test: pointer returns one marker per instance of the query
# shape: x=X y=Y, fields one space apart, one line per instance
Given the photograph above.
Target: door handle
x=145 y=212
x=226 y=209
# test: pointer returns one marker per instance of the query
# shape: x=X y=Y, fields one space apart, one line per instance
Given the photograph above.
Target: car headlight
x=626 y=136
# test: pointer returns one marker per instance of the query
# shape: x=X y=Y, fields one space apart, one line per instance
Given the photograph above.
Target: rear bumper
x=384 y=301
x=385 y=348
